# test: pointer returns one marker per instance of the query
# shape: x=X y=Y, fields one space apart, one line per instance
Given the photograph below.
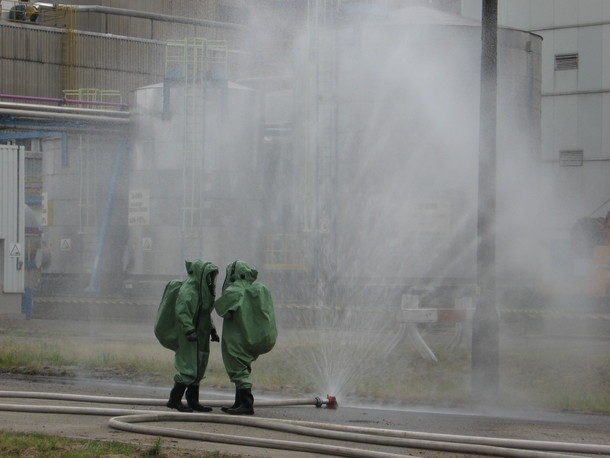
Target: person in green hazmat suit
x=248 y=330
x=184 y=325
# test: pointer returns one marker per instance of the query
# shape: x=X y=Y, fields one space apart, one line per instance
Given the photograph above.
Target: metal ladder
x=193 y=62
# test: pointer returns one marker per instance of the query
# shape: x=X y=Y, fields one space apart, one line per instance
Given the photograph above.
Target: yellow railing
x=94 y=95
x=193 y=59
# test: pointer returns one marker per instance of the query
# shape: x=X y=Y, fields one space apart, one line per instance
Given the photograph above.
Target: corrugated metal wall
x=43 y=61
x=110 y=51
x=116 y=63
x=33 y=61
x=233 y=11
x=29 y=60
x=12 y=217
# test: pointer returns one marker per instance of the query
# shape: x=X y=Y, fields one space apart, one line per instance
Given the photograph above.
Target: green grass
x=40 y=445
x=559 y=379
x=574 y=379
x=35 y=445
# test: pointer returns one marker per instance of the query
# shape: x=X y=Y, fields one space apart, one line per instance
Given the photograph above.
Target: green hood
x=239 y=271
x=198 y=270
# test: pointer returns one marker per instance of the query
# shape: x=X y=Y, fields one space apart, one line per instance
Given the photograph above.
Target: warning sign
x=147 y=243
x=65 y=244
x=139 y=208
x=15 y=251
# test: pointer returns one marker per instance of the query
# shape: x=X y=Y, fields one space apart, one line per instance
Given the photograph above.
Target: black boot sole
x=179 y=407
x=201 y=408
x=239 y=412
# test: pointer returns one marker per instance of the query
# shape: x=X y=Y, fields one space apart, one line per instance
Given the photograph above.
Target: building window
x=566 y=62
x=570 y=158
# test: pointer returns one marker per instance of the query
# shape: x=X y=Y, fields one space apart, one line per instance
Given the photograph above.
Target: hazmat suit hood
x=204 y=274
x=239 y=271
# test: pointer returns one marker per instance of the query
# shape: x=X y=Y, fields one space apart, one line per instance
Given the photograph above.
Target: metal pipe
x=65 y=126
x=256 y=80
x=52 y=108
x=158 y=17
x=30 y=134
x=485 y=322
x=101 y=245
x=62 y=101
x=65 y=116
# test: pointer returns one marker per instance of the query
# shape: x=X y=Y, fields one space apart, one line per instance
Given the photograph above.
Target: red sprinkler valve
x=331 y=402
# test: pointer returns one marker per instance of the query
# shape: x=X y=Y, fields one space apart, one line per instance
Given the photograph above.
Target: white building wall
x=12 y=220
x=575 y=103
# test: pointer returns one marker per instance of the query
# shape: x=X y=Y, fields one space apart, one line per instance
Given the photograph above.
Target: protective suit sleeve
x=186 y=308
x=228 y=303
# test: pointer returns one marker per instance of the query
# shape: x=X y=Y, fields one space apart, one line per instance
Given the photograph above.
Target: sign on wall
x=15 y=250
x=139 y=207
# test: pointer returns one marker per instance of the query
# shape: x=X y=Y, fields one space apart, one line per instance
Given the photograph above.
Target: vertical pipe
x=20 y=153
x=165 y=113
x=19 y=150
x=64 y=149
x=101 y=242
x=485 y=339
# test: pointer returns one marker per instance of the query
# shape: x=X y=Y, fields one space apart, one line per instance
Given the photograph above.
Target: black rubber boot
x=246 y=406
x=175 y=398
x=192 y=399
x=235 y=404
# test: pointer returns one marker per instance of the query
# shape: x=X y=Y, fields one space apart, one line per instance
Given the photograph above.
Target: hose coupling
x=330 y=402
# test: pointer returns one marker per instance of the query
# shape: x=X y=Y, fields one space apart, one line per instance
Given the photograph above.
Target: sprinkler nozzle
x=330 y=402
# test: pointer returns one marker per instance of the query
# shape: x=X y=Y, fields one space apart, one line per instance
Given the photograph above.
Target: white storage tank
x=194 y=188
x=78 y=181
x=391 y=130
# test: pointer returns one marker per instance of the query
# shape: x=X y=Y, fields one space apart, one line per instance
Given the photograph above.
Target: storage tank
x=83 y=206
x=389 y=122
x=194 y=189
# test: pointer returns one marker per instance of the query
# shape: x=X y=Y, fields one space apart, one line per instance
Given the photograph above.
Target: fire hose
x=133 y=420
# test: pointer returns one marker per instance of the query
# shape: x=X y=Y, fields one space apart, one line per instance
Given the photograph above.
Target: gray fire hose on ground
x=136 y=421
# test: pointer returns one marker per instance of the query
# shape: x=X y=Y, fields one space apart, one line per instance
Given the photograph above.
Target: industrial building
x=332 y=144
x=575 y=151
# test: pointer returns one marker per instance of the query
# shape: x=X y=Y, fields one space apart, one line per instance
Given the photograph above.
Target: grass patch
x=559 y=379
x=45 y=446
x=41 y=445
x=574 y=378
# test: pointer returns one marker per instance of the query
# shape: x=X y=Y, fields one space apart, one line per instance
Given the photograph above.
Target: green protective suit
x=186 y=306
x=248 y=328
